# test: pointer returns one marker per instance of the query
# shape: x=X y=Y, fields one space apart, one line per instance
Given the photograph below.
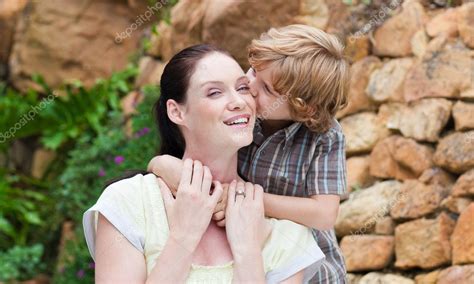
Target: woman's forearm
x=174 y=263
x=248 y=268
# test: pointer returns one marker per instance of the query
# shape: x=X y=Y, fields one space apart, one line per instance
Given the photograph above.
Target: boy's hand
x=168 y=168
x=219 y=211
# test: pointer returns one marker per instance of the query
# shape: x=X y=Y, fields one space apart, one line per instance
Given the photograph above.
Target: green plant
x=21 y=263
x=59 y=119
x=98 y=159
x=78 y=266
x=22 y=204
x=94 y=161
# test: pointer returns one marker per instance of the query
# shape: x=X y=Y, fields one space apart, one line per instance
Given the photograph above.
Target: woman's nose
x=237 y=102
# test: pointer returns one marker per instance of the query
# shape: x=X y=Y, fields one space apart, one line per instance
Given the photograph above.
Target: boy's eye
x=267 y=89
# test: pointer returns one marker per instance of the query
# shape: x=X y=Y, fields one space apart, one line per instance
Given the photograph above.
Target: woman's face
x=219 y=106
x=270 y=104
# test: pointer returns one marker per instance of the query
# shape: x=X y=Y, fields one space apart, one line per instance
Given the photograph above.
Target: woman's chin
x=240 y=139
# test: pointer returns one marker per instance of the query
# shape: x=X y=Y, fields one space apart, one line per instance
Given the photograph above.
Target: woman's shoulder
x=137 y=184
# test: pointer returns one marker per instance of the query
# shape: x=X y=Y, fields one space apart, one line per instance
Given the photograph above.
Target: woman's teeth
x=238 y=121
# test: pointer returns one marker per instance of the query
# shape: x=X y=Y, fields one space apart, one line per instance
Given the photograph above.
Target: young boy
x=299 y=79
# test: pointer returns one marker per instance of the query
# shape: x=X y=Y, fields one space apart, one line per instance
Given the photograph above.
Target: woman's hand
x=246 y=226
x=190 y=213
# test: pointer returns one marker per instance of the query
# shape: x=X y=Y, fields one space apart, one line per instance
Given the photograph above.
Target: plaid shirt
x=295 y=161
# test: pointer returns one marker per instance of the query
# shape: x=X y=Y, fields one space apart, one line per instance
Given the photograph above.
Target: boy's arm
x=168 y=168
x=325 y=182
x=318 y=211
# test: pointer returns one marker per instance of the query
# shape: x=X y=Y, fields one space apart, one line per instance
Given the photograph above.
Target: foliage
x=80 y=267
x=59 y=119
x=98 y=159
x=90 y=165
x=21 y=263
x=23 y=208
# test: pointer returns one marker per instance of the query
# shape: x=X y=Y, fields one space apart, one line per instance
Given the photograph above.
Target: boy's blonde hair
x=309 y=68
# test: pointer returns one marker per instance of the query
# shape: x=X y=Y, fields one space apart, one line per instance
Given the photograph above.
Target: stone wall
x=409 y=126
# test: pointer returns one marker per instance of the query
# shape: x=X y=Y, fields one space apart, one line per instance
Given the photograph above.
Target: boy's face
x=270 y=104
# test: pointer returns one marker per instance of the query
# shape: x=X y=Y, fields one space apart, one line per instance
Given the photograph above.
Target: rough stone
x=443 y=24
x=423 y=243
x=464 y=186
x=377 y=278
x=455 y=152
x=418 y=199
x=367 y=252
x=463 y=114
x=419 y=43
x=455 y=204
x=100 y=37
x=462 y=239
x=441 y=72
x=150 y=72
x=424 y=120
x=459 y=274
x=427 y=278
x=359 y=214
x=357 y=98
x=362 y=131
x=386 y=83
x=385 y=226
x=400 y=158
x=358 y=173
x=466 y=24
x=394 y=36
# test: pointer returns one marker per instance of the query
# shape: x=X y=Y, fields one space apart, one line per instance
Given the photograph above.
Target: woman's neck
x=223 y=166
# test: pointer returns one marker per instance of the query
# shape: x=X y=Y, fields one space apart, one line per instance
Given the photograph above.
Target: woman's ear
x=175 y=112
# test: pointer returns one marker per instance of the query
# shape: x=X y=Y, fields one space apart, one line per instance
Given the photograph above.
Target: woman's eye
x=243 y=89
x=214 y=93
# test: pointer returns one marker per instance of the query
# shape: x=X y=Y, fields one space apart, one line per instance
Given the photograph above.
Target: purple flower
x=142 y=132
x=80 y=274
x=91 y=265
x=119 y=159
x=101 y=173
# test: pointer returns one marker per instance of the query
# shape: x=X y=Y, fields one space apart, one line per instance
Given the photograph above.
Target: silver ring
x=240 y=192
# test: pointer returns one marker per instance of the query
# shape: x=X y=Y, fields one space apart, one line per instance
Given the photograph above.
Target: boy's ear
x=175 y=112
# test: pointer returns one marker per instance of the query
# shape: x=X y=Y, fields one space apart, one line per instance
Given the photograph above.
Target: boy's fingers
x=218 y=216
x=221 y=223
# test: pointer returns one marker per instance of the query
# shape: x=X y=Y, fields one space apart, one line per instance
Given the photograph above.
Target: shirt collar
x=289 y=131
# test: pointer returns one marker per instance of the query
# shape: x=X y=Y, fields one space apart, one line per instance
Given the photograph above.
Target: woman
x=137 y=232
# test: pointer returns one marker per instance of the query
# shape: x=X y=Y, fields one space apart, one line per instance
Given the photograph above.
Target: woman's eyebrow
x=211 y=82
x=242 y=78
